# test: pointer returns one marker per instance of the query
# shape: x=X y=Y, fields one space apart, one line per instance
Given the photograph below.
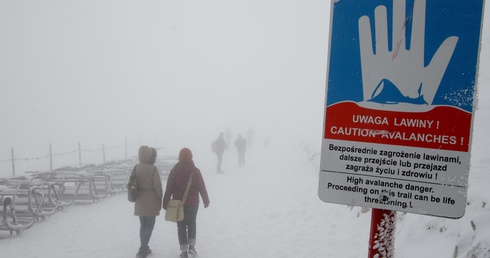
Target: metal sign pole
x=382 y=238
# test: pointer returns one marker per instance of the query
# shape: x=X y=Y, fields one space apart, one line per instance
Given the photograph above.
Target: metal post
x=79 y=155
x=125 y=147
x=103 y=152
x=382 y=239
x=50 y=158
x=13 y=162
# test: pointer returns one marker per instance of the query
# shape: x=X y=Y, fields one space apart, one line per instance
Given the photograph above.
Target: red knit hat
x=185 y=155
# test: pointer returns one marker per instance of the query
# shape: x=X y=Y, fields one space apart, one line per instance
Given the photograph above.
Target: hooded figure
x=150 y=193
x=176 y=185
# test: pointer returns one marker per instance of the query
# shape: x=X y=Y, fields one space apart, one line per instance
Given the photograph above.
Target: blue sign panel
x=399 y=105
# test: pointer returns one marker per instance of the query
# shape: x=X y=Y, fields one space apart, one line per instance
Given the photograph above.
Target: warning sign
x=399 y=104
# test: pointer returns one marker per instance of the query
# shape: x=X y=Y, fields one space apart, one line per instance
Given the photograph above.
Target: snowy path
x=268 y=209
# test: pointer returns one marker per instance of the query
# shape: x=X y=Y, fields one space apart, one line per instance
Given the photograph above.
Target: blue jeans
x=147 y=223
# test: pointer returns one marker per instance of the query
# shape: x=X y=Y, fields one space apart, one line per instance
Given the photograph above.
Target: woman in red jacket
x=176 y=185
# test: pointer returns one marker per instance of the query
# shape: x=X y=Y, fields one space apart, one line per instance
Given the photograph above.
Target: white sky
x=96 y=72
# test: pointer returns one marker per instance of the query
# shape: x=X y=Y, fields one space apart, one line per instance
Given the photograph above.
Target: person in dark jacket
x=219 y=146
x=147 y=204
x=241 y=145
x=176 y=185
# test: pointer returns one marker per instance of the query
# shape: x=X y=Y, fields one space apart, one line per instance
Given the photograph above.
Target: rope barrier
x=79 y=151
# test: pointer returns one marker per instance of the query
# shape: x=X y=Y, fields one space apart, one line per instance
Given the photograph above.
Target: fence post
x=79 y=155
x=50 y=158
x=13 y=161
x=103 y=152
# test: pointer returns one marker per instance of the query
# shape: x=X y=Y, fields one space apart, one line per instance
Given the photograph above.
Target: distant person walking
x=241 y=145
x=228 y=136
x=218 y=147
x=176 y=185
x=250 y=136
x=148 y=202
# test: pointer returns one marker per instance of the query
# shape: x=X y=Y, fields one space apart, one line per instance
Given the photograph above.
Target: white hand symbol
x=404 y=68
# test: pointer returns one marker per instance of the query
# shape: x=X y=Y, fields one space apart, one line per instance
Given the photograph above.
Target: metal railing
x=38 y=195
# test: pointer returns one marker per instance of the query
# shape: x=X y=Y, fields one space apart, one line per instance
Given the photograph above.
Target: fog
x=162 y=73
x=176 y=73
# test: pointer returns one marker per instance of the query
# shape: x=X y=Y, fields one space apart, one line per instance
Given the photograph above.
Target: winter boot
x=141 y=254
x=192 y=250
x=142 y=251
x=184 y=255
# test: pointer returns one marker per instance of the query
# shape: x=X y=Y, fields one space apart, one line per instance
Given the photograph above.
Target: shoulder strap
x=134 y=171
x=189 y=182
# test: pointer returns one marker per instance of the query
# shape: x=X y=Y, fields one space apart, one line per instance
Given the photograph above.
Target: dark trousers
x=187 y=228
x=220 y=160
x=147 y=223
x=241 y=158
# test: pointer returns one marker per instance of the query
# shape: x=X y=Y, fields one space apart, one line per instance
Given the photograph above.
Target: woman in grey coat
x=148 y=203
